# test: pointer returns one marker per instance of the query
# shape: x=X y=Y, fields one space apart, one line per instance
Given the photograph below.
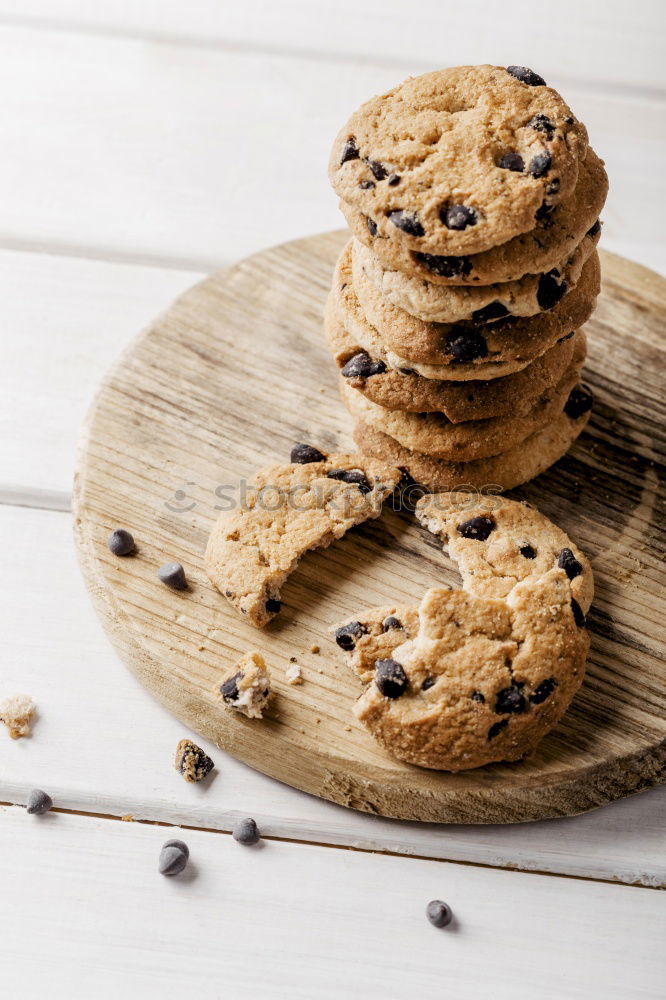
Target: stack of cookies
x=473 y=197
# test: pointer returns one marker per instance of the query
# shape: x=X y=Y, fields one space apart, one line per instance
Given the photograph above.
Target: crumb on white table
x=16 y=712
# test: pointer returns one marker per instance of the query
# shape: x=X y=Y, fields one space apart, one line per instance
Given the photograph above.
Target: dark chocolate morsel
x=540 y=164
x=390 y=623
x=551 y=289
x=273 y=605
x=511 y=161
x=303 y=454
x=245 y=831
x=568 y=562
x=579 y=402
x=526 y=75
x=596 y=228
x=510 y=700
x=428 y=683
x=393 y=180
x=366 y=185
x=445 y=267
x=465 y=345
x=490 y=313
x=390 y=678
x=497 y=728
x=478 y=528
x=121 y=543
x=438 y=913
x=553 y=186
x=353 y=476
x=229 y=689
x=363 y=366
x=372 y=226
x=578 y=613
x=543 y=690
x=478 y=697
x=457 y=216
x=378 y=169
x=38 y=802
x=408 y=222
x=543 y=214
x=542 y=123
x=528 y=551
x=173 y=575
x=346 y=635
x=349 y=150
x=172 y=860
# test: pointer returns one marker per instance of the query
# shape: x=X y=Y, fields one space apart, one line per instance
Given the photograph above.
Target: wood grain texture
x=222 y=384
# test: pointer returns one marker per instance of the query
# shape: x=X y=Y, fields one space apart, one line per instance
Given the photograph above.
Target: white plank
x=303 y=922
x=195 y=156
x=102 y=745
x=606 y=41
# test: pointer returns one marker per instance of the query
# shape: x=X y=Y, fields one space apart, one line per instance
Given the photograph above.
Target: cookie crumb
x=16 y=711
x=247 y=687
x=292 y=659
x=293 y=674
x=348 y=729
x=314 y=648
x=127 y=818
x=192 y=762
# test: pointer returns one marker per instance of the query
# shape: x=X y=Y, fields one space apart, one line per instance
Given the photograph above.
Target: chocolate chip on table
x=579 y=402
x=303 y=454
x=478 y=528
x=349 y=150
x=497 y=728
x=378 y=169
x=273 y=605
x=490 y=313
x=527 y=551
x=477 y=696
x=510 y=700
x=393 y=180
x=363 y=366
x=192 y=762
x=366 y=185
x=578 y=613
x=457 y=216
x=390 y=678
x=38 y=802
x=526 y=75
x=596 y=228
x=391 y=622
x=408 y=222
x=346 y=635
x=550 y=289
x=173 y=857
x=445 y=267
x=121 y=543
x=372 y=226
x=465 y=345
x=353 y=476
x=245 y=831
x=173 y=575
x=568 y=562
x=543 y=690
x=438 y=913
x=229 y=689
x=540 y=164
x=542 y=123
x=511 y=161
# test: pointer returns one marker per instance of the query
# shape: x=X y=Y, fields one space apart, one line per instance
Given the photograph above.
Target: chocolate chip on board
x=173 y=575
x=121 y=543
x=245 y=831
x=173 y=857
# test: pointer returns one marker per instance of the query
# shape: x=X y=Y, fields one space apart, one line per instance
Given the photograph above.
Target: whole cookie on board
x=459 y=352
x=460 y=401
x=517 y=465
x=527 y=296
x=491 y=668
x=458 y=160
x=435 y=435
x=555 y=236
x=288 y=510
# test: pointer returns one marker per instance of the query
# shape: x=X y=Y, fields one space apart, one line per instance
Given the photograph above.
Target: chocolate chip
x=527 y=551
x=438 y=913
x=393 y=180
x=445 y=267
x=542 y=123
x=366 y=185
x=408 y=222
x=490 y=313
x=173 y=575
x=550 y=290
x=353 y=476
x=478 y=528
x=378 y=169
x=567 y=336
x=540 y=164
x=173 y=859
x=273 y=605
x=179 y=844
x=526 y=75
x=510 y=700
x=121 y=542
x=543 y=213
x=478 y=697
x=363 y=366
x=349 y=150
x=408 y=371
x=543 y=690
x=497 y=728
x=553 y=186
x=391 y=622
x=457 y=216
x=428 y=683
x=596 y=228
x=511 y=161
x=346 y=635
x=229 y=689
x=372 y=226
x=579 y=402
x=578 y=613
x=465 y=345
x=390 y=678
x=568 y=562
x=303 y=454
x=38 y=802
x=192 y=762
x=245 y=831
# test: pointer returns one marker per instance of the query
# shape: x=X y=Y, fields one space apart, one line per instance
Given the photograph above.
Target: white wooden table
x=144 y=143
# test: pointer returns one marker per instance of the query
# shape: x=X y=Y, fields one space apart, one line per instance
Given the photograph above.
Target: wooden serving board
x=224 y=383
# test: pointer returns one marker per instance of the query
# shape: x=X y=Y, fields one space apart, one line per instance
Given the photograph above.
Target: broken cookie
x=247 y=687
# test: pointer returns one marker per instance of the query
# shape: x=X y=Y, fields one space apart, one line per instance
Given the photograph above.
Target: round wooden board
x=222 y=384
